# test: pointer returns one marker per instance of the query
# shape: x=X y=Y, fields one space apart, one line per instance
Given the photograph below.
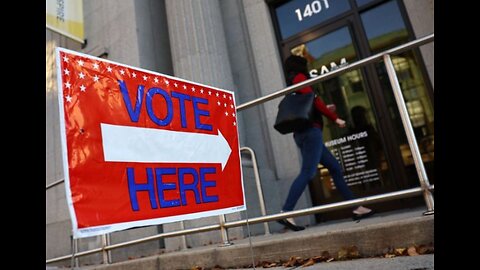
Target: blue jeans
x=314 y=151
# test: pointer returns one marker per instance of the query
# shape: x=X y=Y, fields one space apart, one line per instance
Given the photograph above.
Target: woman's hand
x=340 y=122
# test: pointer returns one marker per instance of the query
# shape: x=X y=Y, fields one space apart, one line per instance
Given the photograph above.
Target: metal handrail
x=307 y=211
x=261 y=200
x=55 y=183
x=425 y=188
x=334 y=73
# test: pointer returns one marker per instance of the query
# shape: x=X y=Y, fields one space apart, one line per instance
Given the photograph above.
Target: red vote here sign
x=143 y=148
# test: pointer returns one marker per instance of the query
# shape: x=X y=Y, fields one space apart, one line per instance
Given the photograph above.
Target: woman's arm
x=320 y=105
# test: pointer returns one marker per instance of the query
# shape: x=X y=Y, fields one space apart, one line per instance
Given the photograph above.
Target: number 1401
x=311 y=9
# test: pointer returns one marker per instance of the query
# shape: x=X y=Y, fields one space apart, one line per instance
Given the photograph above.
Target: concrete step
x=372 y=236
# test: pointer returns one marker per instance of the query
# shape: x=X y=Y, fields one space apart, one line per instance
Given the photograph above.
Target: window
x=384 y=27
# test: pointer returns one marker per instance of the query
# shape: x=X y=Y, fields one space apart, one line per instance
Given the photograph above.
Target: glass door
x=359 y=147
x=384 y=27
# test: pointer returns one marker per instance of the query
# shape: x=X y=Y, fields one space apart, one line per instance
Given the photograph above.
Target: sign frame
x=108 y=228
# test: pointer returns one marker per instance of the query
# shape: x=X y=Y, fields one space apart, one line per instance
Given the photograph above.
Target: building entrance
x=373 y=149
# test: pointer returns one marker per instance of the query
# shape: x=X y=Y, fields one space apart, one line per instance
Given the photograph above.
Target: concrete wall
x=421 y=15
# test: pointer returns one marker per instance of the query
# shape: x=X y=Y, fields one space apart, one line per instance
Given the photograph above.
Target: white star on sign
x=67 y=84
x=233 y=114
x=230 y=97
x=184 y=87
x=80 y=62
x=66 y=71
x=156 y=80
x=134 y=75
x=82 y=88
x=218 y=102
x=95 y=66
x=193 y=89
x=216 y=94
x=109 y=69
x=231 y=106
x=175 y=84
x=226 y=113
x=69 y=98
x=122 y=71
x=95 y=78
x=81 y=75
x=224 y=96
x=65 y=58
x=145 y=77
x=166 y=81
x=234 y=123
x=209 y=93
x=201 y=90
x=225 y=105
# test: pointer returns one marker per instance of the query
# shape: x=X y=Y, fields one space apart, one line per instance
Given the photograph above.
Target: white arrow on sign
x=148 y=145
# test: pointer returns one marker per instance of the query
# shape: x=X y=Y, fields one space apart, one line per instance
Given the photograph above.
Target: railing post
x=263 y=209
x=74 y=250
x=224 y=232
x=412 y=141
x=183 y=237
x=109 y=252
x=104 y=251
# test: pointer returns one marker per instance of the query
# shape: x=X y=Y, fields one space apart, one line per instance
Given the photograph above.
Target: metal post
x=259 y=186
x=75 y=248
x=104 y=251
x=72 y=261
x=224 y=232
x=55 y=183
x=412 y=141
x=183 y=237
x=109 y=252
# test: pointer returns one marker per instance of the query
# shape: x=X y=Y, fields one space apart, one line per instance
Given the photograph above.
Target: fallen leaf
x=331 y=259
x=350 y=252
x=309 y=263
x=266 y=264
x=400 y=251
x=390 y=255
x=320 y=258
x=342 y=254
x=412 y=251
x=293 y=261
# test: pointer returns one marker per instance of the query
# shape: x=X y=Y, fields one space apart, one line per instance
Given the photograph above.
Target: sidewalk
x=372 y=236
x=423 y=262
